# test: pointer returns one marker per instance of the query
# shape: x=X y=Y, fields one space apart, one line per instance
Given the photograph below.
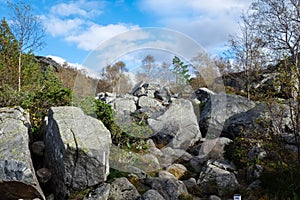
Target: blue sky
x=75 y=29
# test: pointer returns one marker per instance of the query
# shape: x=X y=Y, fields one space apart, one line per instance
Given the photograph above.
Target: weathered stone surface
x=151 y=195
x=218 y=109
x=169 y=188
x=247 y=121
x=177 y=127
x=140 y=89
x=17 y=176
x=178 y=170
x=259 y=119
x=100 y=193
x=150 y=105
x=124 y=105
x=213 y=148
x=218 y=173
x=121 y=188
x=169 y=155
x=77 y=149
x=163 y=94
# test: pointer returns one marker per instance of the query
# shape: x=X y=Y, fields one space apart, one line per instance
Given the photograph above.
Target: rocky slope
x=184 y=158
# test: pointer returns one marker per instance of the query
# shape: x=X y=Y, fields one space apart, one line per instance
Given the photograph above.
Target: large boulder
x=177 y=127
x=150 y=105
x=121 y=188
x=219 y=174
x=17 y=176
x=218 y=109
x=124 y=106
x=169 y=188
x=259 y=119
x=77 y=150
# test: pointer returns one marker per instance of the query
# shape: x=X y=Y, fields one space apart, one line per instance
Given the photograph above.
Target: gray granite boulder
x=221 y=174
x=151 y=195
x=177 y=127
x=218 y=109
x=100 y=193
x=169 y=188
x=77 y=150
x=17 y=177
x=121 y=188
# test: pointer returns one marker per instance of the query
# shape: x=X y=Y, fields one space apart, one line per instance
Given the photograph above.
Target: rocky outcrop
x=17 y=175
x=76 y=150
x=218 y=109
x=177 y=127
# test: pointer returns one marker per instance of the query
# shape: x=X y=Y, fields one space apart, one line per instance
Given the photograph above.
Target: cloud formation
x=208 y=22
x=73 y=22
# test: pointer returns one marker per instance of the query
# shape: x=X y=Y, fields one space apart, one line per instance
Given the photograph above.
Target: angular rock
x=178 y=170
x=216 y=173
x=152 y=88
x=151 y=195
x=218 y=109
x=258 y=119
x=100 y=193
x=17 y=176
x=77 y=150
x=121 y=188
x=150 y=105
x=177 y=127
x=163 y=94
x=166 y=174
x=169 y=188
x=213 y=148
x=169 y=155
x=124 y=105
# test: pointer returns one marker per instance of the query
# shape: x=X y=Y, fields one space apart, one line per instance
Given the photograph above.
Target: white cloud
x=208 y=22
x=58 y=27
x=78 y=8
x=96 y=34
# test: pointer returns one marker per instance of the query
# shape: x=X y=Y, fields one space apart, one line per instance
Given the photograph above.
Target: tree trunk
x=19 y=70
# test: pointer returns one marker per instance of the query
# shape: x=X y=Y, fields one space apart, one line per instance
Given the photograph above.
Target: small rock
x=38 y=148
x=178 y=170
x=166 y=174
x=151 y=195
x=214 y=197
x=43 y=175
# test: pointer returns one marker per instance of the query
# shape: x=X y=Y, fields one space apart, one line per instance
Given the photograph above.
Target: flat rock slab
x=17 y=176
x=76 y=150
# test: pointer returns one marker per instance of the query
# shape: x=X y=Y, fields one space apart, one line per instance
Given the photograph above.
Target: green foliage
x=180 y=70
x=40 y=91
x=281 y=184
x=105 y=113
x=114 y=173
